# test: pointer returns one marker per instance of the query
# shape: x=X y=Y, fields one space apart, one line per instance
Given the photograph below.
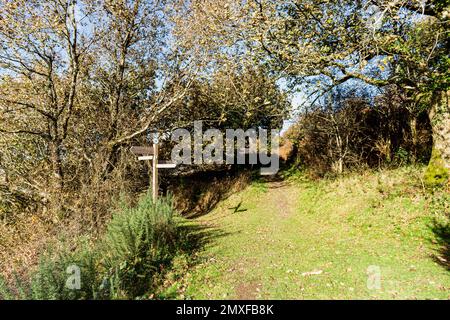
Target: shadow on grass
x=193 y=237
x=191 y=240
x=442 y=233
x=238 y=208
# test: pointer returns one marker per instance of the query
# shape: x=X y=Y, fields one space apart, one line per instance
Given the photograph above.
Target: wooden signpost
x=152 y=154
x=142 y=151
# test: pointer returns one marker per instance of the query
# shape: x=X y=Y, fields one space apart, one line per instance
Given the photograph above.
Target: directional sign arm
x=143 y=151
x=167 y=165
x=145 y=158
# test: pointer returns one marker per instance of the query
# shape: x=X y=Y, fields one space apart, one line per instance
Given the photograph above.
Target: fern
x=122 y=264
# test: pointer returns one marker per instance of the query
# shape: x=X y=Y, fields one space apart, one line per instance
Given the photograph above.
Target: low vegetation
x=306 y=239
x=139 y=244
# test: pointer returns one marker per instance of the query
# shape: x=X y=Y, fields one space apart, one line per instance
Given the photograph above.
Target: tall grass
x=139 y=243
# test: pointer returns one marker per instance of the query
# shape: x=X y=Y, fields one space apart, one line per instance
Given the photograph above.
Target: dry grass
x=21 y=244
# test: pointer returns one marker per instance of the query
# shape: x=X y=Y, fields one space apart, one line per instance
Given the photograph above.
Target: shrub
x=351 y=132
x=49 y=280
x=139 y=243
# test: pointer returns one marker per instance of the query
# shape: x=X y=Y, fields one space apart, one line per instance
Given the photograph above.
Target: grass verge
x=372 y=235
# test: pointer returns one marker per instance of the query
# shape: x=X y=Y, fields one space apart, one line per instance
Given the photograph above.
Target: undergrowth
x=139 y=245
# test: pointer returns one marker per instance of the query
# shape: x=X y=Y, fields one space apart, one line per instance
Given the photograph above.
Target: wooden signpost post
x=152 y=154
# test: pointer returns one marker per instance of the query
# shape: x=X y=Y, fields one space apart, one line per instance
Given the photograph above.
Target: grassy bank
x=301 y=239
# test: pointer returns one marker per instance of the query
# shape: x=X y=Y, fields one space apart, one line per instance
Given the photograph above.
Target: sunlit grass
x=316 y=240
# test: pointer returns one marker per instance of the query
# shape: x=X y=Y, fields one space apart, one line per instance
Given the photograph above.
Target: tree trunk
x=57 y=181
x=55 y=158
x=339 y=164
x=438 y=171
x=414 y=139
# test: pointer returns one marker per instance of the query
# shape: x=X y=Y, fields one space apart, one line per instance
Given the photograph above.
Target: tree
x=79 y=81
x=376 y=42
x=41 y=58
x=82 y=80
x=341 y=40
x=238 y=98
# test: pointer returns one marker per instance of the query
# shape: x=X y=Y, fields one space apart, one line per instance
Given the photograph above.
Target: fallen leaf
x=312 y=273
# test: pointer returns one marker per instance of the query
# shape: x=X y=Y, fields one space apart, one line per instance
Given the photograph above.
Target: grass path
x=303 y=240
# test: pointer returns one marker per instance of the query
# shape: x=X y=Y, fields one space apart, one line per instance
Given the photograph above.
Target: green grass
x=338 y=228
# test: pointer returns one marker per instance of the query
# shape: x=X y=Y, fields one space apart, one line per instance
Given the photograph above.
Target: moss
x=436 y=174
